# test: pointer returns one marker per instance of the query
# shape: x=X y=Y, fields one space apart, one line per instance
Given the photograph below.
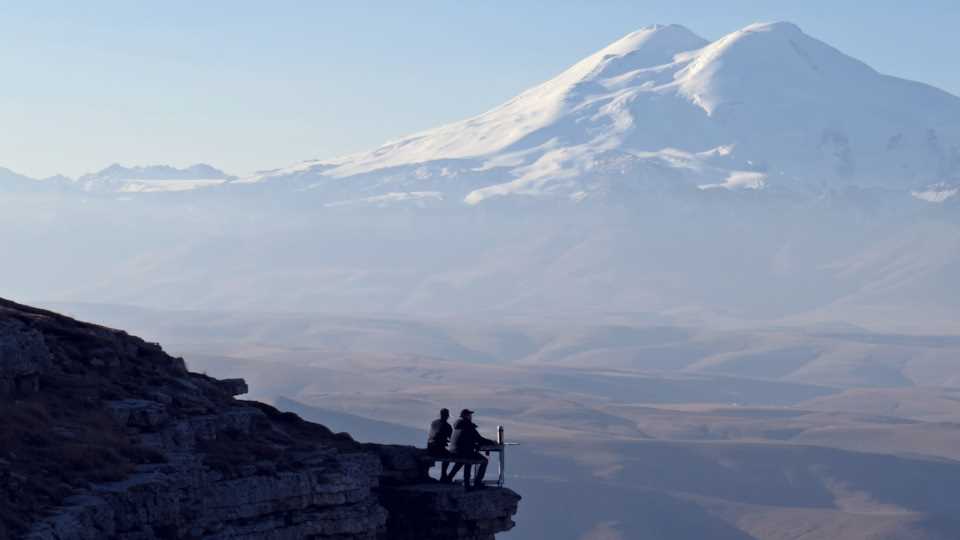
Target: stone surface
x=139 y=413
x=190 y=461
x=329 y=500
x=236 y=387
x=23 y=356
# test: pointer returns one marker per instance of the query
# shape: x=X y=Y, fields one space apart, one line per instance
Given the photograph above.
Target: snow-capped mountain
x=153 y=178
x=765 y=107
x=764 y=175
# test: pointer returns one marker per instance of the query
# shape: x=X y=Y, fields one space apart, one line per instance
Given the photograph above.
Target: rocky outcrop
x=426 y=510
x=105 y=436
x=447 y=512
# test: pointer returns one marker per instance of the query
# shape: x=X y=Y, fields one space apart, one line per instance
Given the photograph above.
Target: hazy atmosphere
x=698 y=260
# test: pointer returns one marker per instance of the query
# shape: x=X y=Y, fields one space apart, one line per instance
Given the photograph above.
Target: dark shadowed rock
x=235 y=387
x=448 y=512
x=23 y=356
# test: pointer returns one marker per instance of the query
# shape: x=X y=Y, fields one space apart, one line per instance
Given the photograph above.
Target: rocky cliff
x=103 y=435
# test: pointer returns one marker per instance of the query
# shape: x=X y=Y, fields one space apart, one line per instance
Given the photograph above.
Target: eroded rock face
x=154 y=452
x=330 y=498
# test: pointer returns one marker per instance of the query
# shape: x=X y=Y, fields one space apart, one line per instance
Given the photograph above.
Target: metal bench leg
x=503 y=460
x=453 y=472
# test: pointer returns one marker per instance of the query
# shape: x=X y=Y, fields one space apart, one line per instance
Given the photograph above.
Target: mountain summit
x=766 y=106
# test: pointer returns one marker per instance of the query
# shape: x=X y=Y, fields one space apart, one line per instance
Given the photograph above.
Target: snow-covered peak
x=648 y=47
x=670 y=38
x=766 y=107
x=768 y=61
x=507 y=126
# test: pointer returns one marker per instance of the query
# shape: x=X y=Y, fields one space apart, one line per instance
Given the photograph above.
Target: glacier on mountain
x=766 y=107
x=763 y=107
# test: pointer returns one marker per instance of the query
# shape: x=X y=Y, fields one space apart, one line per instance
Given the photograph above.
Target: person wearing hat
x=440 y=432
x=466 y=442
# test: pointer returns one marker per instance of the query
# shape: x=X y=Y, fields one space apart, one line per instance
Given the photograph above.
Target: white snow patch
x=381 y=201
x=158 y=186
x=935 y=195
x=740 y=180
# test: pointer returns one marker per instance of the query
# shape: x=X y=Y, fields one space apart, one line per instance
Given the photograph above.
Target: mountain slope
x=765 y=106
x=11 y=181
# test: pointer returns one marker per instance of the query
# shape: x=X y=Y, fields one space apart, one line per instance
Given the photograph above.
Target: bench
x=431 y=460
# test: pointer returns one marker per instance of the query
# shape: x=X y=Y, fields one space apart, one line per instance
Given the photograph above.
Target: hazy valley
x=709 y=286
x=648 y=430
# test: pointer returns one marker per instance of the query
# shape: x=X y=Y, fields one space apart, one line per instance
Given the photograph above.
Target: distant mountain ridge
x=157 y=172
x=118 y=178
x=152 y=178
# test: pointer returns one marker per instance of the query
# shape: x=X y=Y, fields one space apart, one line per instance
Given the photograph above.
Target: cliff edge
x=103 y=435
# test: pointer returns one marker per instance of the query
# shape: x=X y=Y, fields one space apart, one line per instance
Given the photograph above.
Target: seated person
x=466 y=443
x=440 y=432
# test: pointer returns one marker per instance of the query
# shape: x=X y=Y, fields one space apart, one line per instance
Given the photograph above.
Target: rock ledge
x=105 y=436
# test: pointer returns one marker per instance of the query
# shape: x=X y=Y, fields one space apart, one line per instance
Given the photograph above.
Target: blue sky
x=254 y=85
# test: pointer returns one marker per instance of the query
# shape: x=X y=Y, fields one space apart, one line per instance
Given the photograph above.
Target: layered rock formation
x=104 y=435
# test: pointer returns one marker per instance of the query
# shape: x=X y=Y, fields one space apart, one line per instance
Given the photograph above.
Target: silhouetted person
x=440 y=432
x=466 y=443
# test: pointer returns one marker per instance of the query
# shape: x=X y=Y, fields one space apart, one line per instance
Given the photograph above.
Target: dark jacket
x=466 y=439
x=440 y=432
